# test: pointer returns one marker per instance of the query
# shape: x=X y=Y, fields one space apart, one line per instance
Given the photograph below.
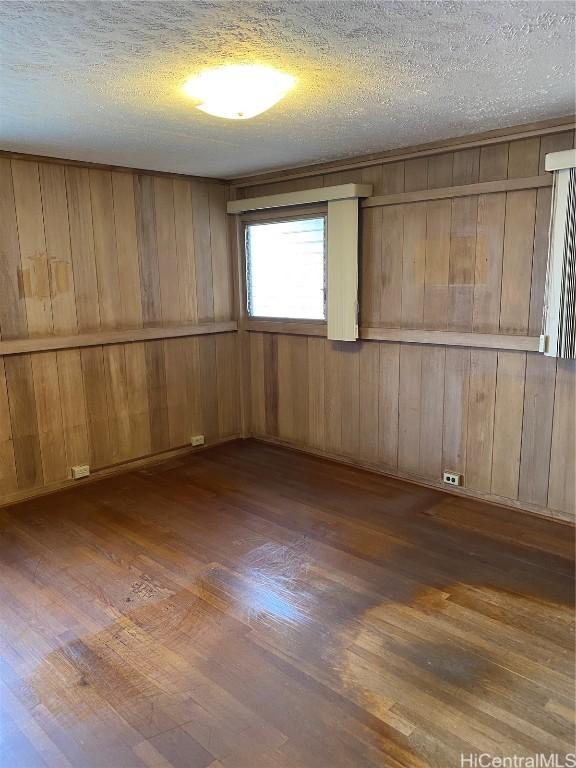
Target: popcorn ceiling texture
x=99 y=81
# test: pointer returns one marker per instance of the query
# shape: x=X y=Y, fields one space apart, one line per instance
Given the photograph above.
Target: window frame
x=277 y=216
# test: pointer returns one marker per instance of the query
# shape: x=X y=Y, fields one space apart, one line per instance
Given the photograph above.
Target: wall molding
x=294 y=327
x=405 y=335
x=103 y=338
x=452 y=338
x=464 y=190
x=499 y=136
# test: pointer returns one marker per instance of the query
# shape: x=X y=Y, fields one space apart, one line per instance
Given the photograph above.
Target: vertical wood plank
x=523 y=158
x=508 y=413
x=517 y=261
x=371 y=278
x=106 y=256
x=286 y=389
x=389 y=390
x=456 y=383
x=392 y=248
x=488 y=263
x=494 y=162
x=392 y=178
x=24 y=421
x=480 y=431
x=145 y=208
x=562 y=484
x=270 y=349
x=415 y=174
x=35 y=278
x=156 y=378
x=438 y=217
x=432 y=412
x=208 y=380
x=57 y=232
x=350 y=404
x=221 y=265
x=117 y=396
x=373 y=175
x=127 y=249
x=194 y=410
x=228 y=384
x=316 y=391
x=369 y=401
x=440 y=169
x=82 y=249
x=13 y=323
x=184 y=222
x=466 y=166
x=49 y=415
x=166 y=250
x=8 y=477
x=539 y=260
x=202 y=250
x=462 y=263
x=176 y=392
x=333 y=393
x=537 y=429
x=138 y=406
x=257 y=392
x=409 y=405
x=413 y=265
x=96 y=406
x=73 y=402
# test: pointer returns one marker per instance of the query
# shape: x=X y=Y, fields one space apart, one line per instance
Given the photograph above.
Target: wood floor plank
x=255 y=606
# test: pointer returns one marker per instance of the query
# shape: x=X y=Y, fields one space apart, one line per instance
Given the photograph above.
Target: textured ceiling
x=100 y=81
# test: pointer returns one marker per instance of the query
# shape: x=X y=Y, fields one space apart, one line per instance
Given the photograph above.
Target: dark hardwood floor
x=252 y=607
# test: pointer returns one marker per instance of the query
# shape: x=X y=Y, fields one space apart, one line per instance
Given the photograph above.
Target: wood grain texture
x=420 y=409
x=452 y=293
x=97 y=268
x=251 y=606
x=103 y=338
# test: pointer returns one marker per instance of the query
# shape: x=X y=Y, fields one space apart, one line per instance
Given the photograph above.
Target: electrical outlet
x=197 y=440
x=79 y=471
x=452 y=478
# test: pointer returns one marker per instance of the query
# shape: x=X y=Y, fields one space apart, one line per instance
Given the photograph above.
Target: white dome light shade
x=238 y=91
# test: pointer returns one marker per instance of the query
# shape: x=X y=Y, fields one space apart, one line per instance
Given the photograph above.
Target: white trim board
x=304 y=197
x=558 y=161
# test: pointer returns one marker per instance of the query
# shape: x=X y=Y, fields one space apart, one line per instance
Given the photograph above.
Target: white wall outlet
x=79 y=471
x=452 y=478
x=197 y=440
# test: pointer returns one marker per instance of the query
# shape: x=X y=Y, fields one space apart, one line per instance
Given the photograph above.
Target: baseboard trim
x=498 y=501
x=114 y=469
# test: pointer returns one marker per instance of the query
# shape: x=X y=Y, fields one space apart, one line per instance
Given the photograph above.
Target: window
x=286 y=268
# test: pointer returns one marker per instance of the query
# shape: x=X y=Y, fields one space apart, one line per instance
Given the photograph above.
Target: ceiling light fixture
x=238 y=91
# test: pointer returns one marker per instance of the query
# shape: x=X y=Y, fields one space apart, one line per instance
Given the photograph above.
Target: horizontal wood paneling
x=451 y=296
x=112 y=284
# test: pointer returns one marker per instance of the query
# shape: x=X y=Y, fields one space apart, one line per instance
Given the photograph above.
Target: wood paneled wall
x=85 y=251
x=504 y=419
